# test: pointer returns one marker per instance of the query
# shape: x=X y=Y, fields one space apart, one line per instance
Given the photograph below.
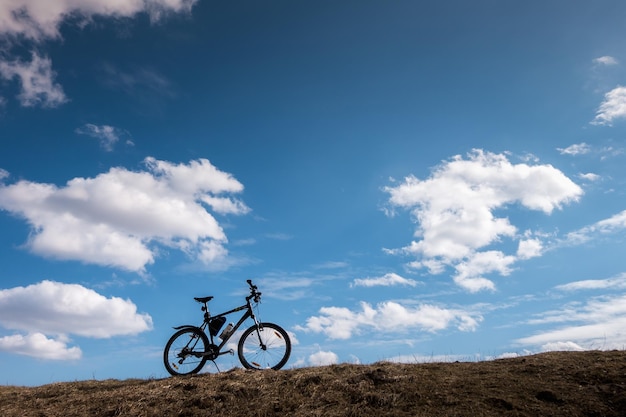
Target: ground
x=591 y=383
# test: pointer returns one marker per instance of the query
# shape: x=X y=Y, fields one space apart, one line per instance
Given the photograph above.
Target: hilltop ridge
x=591 y=383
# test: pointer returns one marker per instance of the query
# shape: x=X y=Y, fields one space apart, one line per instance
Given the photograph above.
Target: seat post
x=207 y=315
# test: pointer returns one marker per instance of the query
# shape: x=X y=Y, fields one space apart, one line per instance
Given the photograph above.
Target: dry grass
x=551 y=384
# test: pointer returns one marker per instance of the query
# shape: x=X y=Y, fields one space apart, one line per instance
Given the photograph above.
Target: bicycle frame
x=208 y=317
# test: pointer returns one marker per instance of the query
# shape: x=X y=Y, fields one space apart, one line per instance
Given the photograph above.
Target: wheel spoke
x=269 y=348
x=184 y=352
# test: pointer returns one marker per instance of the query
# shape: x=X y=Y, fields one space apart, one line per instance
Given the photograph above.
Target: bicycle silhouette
x=261 y=346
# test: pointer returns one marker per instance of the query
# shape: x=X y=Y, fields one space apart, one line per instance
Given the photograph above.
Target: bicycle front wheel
x=265 y=347
x=183 y=354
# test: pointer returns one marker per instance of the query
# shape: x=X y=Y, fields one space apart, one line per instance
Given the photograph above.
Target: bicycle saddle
x=203 y=299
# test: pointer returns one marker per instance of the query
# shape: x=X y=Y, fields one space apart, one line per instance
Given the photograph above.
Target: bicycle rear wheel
x=183 y=352
x=267 y=347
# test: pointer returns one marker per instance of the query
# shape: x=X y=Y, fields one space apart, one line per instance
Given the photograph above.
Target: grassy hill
x=551 y=384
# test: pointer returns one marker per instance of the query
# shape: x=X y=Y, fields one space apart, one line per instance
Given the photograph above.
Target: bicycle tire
x=267 y=349
x=178 y=363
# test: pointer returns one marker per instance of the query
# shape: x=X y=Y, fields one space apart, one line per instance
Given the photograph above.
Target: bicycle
x=261 y=346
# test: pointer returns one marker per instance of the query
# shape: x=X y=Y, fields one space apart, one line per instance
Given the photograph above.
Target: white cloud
x=618 y=282
x=469 y=271
x=606 y=61
x=454 y=210
x=107 y=135
x=36 y=21
x=614 y=224
x=598 y=323
x=3 y=174
x=586 y=149
x=40 y=19
x=590 y=176
x=286 y=286
x=613 y=107
x=610 y=151
x=323 y=358
x=57 y=309
x=388 y=317
x=211 y=252
x=386 y=280
x=562 y=346
x=576 y=149
x=37 y=81
x=529 y=248
x=199 y=176
x=419 y=358
x=116 y=218
x=39 y=346
x=332 y=265
x=226 y=205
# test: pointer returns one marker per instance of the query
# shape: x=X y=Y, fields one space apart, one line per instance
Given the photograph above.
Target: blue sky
x=406 y=181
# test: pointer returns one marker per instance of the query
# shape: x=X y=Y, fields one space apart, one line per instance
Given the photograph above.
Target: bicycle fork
x=259 y=329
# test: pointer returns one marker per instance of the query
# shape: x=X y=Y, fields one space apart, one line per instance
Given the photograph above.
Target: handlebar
x=254 y=293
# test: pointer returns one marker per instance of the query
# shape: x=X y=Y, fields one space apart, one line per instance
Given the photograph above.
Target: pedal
x=232 y=352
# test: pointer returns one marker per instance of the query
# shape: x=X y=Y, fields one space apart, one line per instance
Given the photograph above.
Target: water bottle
x=226 y=332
